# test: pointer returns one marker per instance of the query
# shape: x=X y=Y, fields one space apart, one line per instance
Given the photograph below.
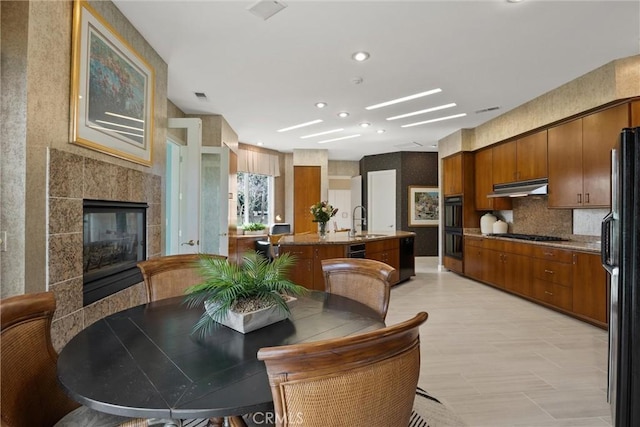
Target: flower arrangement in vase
x=322 y=212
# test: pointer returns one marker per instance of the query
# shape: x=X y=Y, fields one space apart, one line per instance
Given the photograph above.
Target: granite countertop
x=593 y=246
x=341 y=238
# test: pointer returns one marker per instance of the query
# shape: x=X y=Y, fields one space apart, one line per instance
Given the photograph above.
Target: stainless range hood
x=520 y=189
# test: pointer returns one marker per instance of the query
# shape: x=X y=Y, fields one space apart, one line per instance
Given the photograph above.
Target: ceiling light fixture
x=343 y=114
x=365 y=125
x=403 y=99
x=380 y=131
x=321 y=104
x=434 y=120
x=360 y=56
x=428 y=110
x=301 y=125
x=339 y=139
x=260 y=144
x=321 y=133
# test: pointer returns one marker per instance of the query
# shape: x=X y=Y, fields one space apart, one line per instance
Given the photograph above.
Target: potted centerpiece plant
x=243 y=297
x=254 y=228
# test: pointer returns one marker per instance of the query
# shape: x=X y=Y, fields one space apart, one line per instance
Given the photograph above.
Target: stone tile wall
x=72 y=178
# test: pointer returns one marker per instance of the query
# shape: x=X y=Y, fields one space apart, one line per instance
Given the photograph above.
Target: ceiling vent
x=265 y=9
x=486 y=110
x=201 y=96
x=412 y=144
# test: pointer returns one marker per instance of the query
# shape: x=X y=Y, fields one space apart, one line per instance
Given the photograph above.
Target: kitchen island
x=394 y=248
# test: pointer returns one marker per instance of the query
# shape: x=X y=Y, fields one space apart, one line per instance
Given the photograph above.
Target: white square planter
x=247 y=322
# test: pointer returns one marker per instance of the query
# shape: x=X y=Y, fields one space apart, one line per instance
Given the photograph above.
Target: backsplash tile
x=531 y=216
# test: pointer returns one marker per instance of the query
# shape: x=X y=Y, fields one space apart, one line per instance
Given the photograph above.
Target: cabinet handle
x=549 y=271
x=586 y=197
x=579 y=198
x=548 y=293
x=548 y=254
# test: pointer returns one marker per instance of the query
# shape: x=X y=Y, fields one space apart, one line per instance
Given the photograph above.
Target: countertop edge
x=341 y=238
x=568 y=245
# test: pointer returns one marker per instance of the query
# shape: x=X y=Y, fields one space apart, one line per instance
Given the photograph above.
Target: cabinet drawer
x=474 y=241
x=300 y=252
x=559 y=296
x=551 y=271
x=554 y=254
x=382 y=245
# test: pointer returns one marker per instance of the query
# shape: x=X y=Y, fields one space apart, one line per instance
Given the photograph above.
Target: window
x=255 y=198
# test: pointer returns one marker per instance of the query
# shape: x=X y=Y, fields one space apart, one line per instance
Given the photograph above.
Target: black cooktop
x=534 y=237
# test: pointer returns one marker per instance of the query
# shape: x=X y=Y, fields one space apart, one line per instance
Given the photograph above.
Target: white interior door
x=381 y=200
x=340 y=199
x=203 y=196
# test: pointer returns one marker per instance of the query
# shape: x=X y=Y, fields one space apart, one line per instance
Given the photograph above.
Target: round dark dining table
x=146 y=362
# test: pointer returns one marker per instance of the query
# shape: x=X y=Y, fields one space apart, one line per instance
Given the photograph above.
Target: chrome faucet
x=362 y=219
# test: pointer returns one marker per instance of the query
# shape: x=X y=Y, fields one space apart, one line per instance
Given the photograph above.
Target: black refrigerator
x=621 y=258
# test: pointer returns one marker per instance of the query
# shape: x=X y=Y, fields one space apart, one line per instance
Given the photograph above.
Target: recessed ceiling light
x=321 y=104
x=428 y=110
x=403 y=99
x=514 y=1
x=343 y=114
x=260 y=143
x=339 y=139
x=365 y=125
x=380 y=131
x=360 y=56
x=301 y=125
x=434 y=120
x=321 y=133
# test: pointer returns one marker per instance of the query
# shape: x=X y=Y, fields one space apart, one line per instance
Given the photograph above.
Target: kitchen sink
x=368 y=236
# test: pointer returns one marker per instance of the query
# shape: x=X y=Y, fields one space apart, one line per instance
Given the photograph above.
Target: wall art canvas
x=112 y=90
x=424 y=206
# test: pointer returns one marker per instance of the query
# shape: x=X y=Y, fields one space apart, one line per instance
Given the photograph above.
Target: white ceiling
x=267 y=75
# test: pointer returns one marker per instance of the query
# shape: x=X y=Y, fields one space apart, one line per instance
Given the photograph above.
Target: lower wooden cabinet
x=570 y=281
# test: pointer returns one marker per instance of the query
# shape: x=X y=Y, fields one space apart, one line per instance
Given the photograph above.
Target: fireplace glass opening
x=113 y=243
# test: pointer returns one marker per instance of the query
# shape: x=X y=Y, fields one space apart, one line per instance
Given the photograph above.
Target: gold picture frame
x=112 y=90
x=424 y=206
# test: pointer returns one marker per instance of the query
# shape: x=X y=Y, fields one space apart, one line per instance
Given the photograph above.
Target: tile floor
x=498 y=360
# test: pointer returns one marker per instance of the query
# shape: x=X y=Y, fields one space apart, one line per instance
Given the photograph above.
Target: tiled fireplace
x=72 y=180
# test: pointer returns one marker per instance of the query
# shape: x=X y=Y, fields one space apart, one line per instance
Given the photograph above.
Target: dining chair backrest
x=169 y=276
x=30 y=392
x=365 y=280
x=368 y=379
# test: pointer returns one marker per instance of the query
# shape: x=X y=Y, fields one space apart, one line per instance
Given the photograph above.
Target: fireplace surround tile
x=65 y=215
x=65 y=174
x=65 y=328
x=65 y=257
x=68 y=297
x=99 y=180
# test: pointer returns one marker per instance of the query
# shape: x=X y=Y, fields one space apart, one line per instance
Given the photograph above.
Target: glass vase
x=322 y=229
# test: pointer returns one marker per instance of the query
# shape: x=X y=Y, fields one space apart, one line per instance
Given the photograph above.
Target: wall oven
x=453 y=227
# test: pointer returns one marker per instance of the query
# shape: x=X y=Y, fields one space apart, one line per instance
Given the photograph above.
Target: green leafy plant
x=226 y=286
x=253 y=226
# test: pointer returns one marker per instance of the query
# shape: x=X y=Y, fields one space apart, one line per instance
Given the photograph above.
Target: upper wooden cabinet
x=521 y=160
x=452 y=177
x=635 y=114
x=484 y=183
x=579 y=154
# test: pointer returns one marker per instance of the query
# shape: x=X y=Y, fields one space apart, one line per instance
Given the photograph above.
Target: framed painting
x=424 y=206
x=111 y=90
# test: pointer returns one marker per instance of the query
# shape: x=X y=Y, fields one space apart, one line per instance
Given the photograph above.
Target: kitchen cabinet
x=579 y=157
x=521 y=160
x=484 y=183
x=635 y=114
x=321 y=252
x=387 y=251
x=302 y=271
x=589 y=287
x=572 y=282
x=452 y=178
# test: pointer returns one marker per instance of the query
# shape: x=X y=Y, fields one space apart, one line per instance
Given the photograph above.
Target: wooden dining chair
x=169 y=276
x=30 y=394
x=365 y=280
x=363 y=380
